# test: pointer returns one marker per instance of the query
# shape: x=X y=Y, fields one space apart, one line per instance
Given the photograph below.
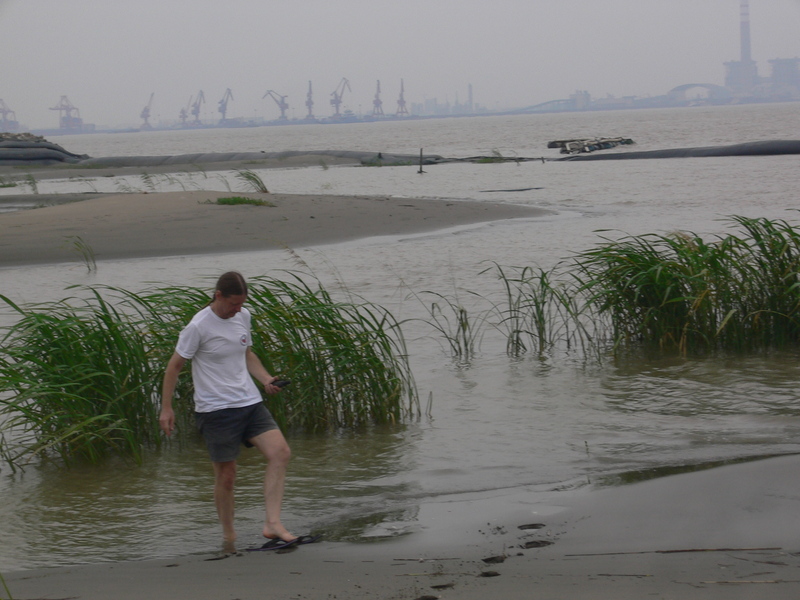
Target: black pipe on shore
x=764 y=148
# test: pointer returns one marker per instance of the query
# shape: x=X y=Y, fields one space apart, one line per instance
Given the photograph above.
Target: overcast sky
x=108 y=56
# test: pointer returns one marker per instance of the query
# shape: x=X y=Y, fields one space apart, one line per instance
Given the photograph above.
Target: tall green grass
x=252 y=181
x=348 y=362
x=674 y=293
x=85 y=251
x=76 y=380
x=461 y=329
x=538 y=312
x=80 y=378
x=737 y=292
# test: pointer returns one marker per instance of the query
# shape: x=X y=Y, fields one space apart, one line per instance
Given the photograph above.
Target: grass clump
x=537 y=312
x=239 y=200
x=85 y=251
x=461 y=329
x=31 y=182
x=81 y=378
x=495 y=158
x=77 y=380
x=738 y=292
x=349 y=361
x=670 y=293
x=252 y=181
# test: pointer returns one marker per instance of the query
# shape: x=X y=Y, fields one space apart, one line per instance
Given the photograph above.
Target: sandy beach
x=728 y=532
x=724 y=533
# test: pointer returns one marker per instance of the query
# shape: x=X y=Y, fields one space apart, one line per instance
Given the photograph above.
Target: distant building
x=741 y=77
x=785 y=79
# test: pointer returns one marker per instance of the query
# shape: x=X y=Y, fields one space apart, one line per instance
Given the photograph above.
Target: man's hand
x=269 y=388
x=167 y=421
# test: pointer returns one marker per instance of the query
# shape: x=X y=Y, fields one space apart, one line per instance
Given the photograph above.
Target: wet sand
x=725 y=533
x=182 y=223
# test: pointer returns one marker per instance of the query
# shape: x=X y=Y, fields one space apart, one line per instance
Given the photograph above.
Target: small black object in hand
x=281 y=383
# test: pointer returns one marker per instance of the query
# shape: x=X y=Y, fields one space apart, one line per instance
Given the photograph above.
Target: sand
x=119 y=226
x=182 y=223
x=726 y=533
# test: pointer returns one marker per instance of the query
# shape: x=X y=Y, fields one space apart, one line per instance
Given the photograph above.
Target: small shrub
x=236 y=200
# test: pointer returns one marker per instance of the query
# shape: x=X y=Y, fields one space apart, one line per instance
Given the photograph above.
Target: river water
x=546 y=426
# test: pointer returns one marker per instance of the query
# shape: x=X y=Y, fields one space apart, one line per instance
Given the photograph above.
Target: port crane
x=336 y=100
x=309 y=103
x=222 y=105
x=377 y=103
x=145 y=115
x=65 y=109
x=196 y=107
x=8 y=118
x=401 y=102
x=184 y=114
x=280 y=101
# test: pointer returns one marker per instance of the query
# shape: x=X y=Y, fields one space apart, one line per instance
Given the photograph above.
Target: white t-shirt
x=217 y=349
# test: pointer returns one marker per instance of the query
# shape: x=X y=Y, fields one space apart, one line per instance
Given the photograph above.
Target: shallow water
x=495 y=423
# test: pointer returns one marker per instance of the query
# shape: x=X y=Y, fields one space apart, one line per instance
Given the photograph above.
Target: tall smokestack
x=745 y=31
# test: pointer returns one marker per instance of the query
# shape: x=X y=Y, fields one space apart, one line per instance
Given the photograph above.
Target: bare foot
x=228 y=537
x=228 y=547
x=278 y=531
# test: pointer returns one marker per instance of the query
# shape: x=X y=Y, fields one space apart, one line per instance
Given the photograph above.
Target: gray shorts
x=225 y=430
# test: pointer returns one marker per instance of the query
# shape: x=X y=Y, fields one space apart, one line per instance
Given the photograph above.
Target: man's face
x=229 y=305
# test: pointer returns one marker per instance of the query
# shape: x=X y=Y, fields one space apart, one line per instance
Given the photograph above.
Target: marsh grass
x=85 y=251
x=348 y=360
x=239 y=200
x=76 y=382
x=461 y=329
x=538 y=312
x=738 y=292
x=190 y=175
x=496 y=157
x=31 y=182
x=87 y=181
x=252 y=181
x=124 y=187
x=224 y=181
x=5 y=587
x=149 y=181
x=80 y=378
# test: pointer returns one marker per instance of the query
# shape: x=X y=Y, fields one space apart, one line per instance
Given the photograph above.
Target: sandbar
x=142 y=225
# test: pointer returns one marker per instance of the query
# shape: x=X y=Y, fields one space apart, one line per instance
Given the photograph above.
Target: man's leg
x=224 y=479
x=273 y=446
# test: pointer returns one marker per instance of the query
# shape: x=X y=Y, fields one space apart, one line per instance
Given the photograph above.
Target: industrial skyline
x=117 y=61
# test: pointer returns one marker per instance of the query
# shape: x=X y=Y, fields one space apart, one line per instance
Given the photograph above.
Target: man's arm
x=257 y=370
x=167 y=418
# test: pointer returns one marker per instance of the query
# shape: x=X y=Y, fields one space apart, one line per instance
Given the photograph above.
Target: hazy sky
x=108 y=56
